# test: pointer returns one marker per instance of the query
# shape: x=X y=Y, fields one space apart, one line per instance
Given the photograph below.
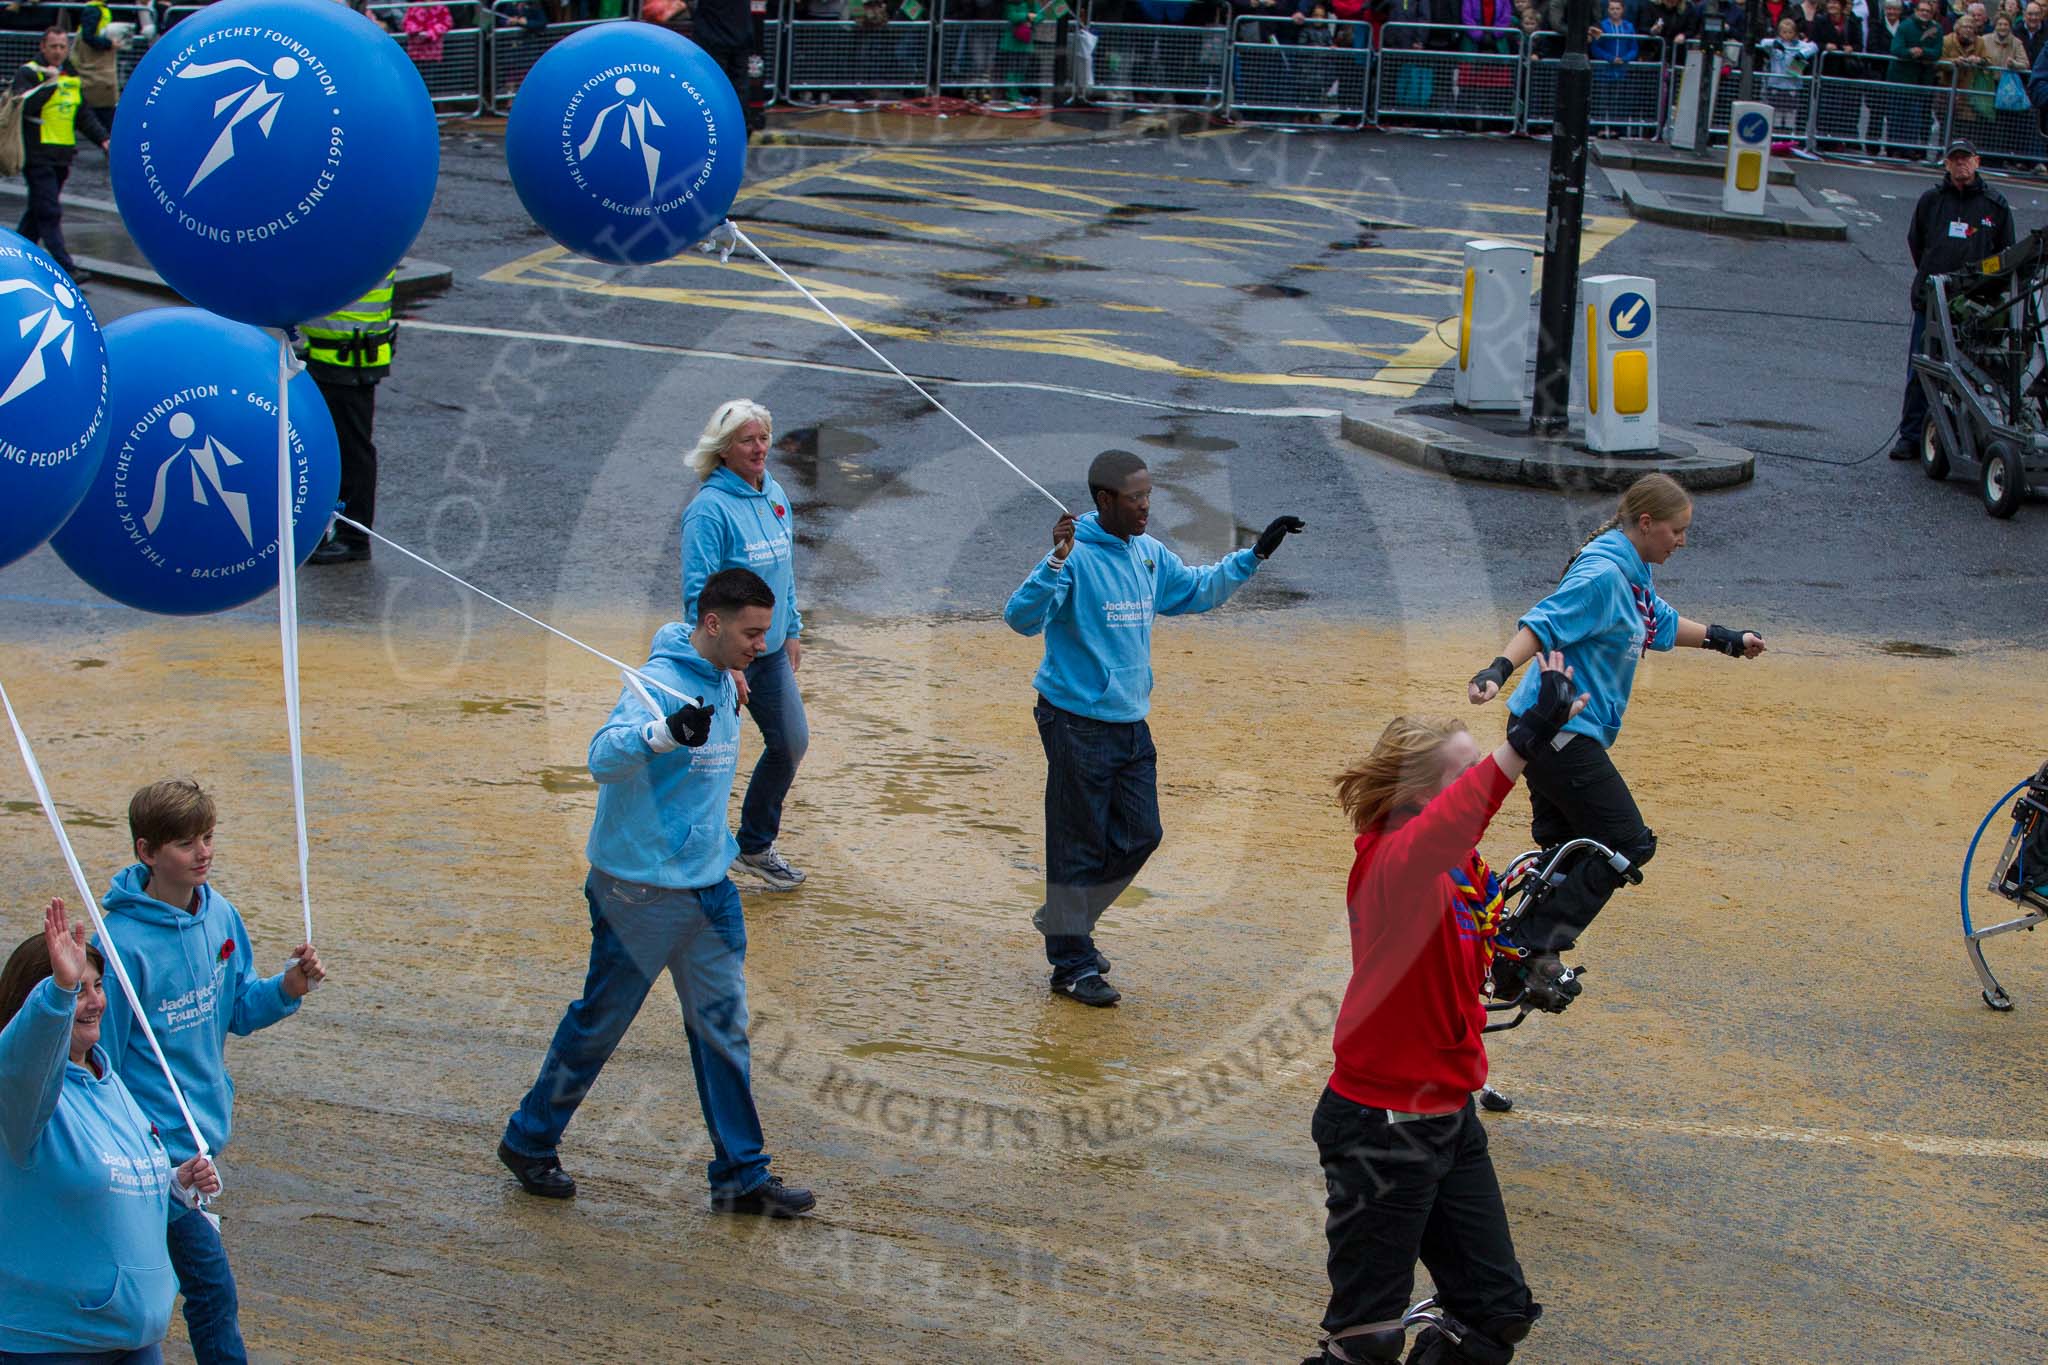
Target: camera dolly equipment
x=1984 y=370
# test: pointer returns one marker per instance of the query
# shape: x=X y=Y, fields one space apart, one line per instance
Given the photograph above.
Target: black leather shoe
x=1089 y=990
x=540 y=1175
x=771 y=1200
x=339 y=552
x=1904 y=451
x=1101 y=963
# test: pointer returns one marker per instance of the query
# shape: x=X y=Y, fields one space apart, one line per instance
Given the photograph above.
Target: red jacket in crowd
x=1408 y=1035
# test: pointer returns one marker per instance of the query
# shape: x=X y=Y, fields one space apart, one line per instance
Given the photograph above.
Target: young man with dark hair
x=1094 y=598
x=660 y=897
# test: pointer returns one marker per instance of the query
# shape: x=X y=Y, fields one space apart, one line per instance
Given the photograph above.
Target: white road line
x=828 y=367
x=1927 y=1144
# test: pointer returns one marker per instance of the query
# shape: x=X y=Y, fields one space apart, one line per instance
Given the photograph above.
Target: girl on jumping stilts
x=1604 y=615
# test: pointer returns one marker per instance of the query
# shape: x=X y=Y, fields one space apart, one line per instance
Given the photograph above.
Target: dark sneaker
x=1548 y=984
x=541 y=1175
x=770 y=1200
x=1905 y=450
x=339 y=552
x=1089 y=990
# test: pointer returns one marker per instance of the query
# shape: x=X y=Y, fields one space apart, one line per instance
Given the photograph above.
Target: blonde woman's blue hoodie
x=195 y=972
x=1604 y=616
x=661 y=817
x=87 y=1189
x=1096 y=611
x=731 y=524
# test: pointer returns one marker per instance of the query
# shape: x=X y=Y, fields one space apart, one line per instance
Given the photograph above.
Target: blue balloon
x=182 y=518
x=626 y=143
x=273 y=158
x=53 y=396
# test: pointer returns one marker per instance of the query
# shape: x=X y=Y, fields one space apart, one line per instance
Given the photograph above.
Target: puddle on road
x=88 y=663
x=1772 y=424
x=1175 y=440
x=1272 y=291
x=1364 y=241
x=563 y=778
x=1140 y=210
x=1913 y=649
x=827 y=440
x=85 y=819
x=496 y=706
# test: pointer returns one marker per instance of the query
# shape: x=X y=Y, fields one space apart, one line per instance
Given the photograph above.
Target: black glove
x=1728 y=641
x=1279 y=529
x=690 y=725
x=1498 y=672
x=1531 y=732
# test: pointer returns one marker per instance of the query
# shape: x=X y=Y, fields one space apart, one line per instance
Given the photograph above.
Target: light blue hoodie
x=731 y=524
x=86 y=1188
x=1605 y=615
x=661 y=817
x=195 y=972
x=1096 y=611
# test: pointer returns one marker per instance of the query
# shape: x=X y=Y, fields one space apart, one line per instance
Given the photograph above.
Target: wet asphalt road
x=1210 y=301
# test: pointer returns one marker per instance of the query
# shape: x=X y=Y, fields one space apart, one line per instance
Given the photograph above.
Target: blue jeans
x=635 y=931
x=212 y=1315
x=778 y=708
x=1913 y=412
x=1101 y=824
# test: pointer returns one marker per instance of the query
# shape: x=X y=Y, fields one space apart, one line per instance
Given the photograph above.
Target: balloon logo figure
x=633 y=125
x=53 y=396
x=626 y=143
x=57 y=328
x=261 y=99
x=181 y=515
x=207 y=457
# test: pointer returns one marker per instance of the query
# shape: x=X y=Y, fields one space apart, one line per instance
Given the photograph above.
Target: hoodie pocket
x=137 y=1304
x=1128 y=689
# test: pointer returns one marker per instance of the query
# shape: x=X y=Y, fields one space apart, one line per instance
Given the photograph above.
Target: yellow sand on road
x=1780 y=1125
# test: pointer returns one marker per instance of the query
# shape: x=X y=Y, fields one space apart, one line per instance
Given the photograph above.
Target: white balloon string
x=819 y=304
x=92 y=908
x=625 y=668
x=288 y=617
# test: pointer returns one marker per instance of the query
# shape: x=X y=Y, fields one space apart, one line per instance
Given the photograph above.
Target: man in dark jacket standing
x=53 y=114
x=1957 y=223
x=725 y=30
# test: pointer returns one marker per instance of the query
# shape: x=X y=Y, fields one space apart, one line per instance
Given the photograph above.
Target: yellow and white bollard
x=1621 y=363
x=1493 y=328
x=1747 y=181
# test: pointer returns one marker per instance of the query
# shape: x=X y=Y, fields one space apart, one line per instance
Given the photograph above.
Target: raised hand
x=1276 y=531
x=65 y=942
x=1063 y=536
x=1554 y=706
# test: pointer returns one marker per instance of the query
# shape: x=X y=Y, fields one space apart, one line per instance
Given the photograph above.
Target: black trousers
x=1577 y=793
x=354 y=409
x=44 y=220
x=1424 y=1188
x=734 y=61
x=1913 y=407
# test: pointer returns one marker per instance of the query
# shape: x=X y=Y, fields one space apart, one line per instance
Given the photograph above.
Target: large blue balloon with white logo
x=274 y=158
x=182 y=516
x=626 y=143
x=53 y=396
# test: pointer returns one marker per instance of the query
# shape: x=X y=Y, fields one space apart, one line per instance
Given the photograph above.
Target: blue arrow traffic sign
x=1629 y=316
x=1753 y=128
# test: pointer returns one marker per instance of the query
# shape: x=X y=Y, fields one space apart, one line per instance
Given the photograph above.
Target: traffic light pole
x=1562 y=220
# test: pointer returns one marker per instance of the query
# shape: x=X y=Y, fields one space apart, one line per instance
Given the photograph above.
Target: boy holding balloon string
x=188 y=953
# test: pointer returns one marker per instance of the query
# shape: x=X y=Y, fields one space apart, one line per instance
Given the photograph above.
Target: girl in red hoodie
x=1402 y=1149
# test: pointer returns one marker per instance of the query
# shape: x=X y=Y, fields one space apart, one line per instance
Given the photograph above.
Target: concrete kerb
x=1791 y=213
x=1657 y=158
x=1423 y=436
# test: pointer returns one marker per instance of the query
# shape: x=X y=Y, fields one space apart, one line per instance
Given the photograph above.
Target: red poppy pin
x=227 y=950
x=778 y=508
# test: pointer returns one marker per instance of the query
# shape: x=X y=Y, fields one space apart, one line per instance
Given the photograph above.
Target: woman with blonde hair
x=1403 y=1152
x=1604 y=615
x=741 y=519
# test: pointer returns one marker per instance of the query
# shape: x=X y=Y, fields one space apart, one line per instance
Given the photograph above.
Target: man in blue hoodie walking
x=660 y=897
x=189 y=957
x=1094 y=597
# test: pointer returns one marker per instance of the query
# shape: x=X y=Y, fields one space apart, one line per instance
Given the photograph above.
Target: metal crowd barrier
x=1442 y=73
x=1628 y=97
x=452 y=64
x=851 y=60
x=1287 y=73
x=1855 y=107
x=981 y=54
x=1151 y=63
x=514 y=50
